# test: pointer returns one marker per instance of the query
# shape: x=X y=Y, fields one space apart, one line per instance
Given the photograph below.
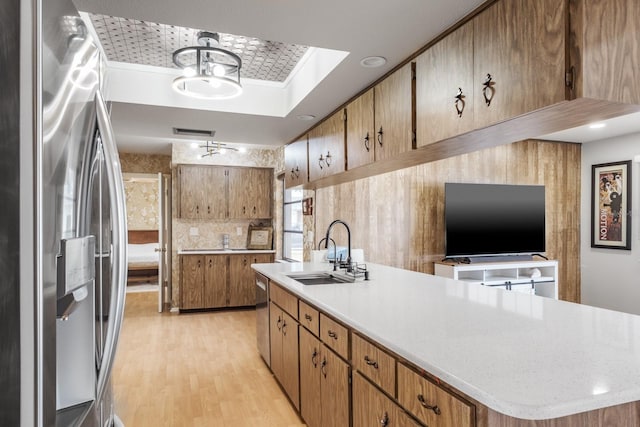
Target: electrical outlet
x=193 y=231
x=239 y=231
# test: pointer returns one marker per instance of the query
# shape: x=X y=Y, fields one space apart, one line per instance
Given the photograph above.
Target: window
x=292 y=227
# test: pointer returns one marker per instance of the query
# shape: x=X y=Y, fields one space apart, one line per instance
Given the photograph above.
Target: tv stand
x=499 y=258
x=532 y=277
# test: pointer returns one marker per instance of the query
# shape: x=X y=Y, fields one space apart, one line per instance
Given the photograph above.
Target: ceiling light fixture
x=599 y=125
x=305 y=117
x=209 y=72
x=373 y=61
x=214 y=148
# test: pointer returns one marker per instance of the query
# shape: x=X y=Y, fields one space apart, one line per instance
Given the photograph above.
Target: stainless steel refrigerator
x=63 y=235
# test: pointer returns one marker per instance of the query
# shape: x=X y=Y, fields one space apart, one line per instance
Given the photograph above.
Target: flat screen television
x=493 y=219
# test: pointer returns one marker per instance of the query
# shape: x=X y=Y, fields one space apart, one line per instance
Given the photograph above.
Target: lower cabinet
x=242 y=289
x=284 y=351
x=324 y=384
x=219 y=280
x=372 y=408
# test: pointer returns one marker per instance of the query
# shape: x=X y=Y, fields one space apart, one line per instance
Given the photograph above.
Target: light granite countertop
x=524 y=356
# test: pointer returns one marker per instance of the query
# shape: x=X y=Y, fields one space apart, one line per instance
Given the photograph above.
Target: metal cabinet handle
x=210 y=263
x=327 y=159
x=284 y=328
x=244 y=262
x=279 y=322
x=323 y=367
x=314 y=357
x=366 y=142
x=209 y=209
x=308 y=317
x=384 y=421
x=380 y=136
x=198 y=263
x=488 y=90
x=197 y=209
x=332 y=334
x=254 y=210
x=371 y=362
x=459 y=102
x=244 y=209
x=295 y=173
x=425 y=405
x=320 y=160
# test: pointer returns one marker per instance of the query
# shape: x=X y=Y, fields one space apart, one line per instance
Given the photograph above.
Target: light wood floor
x=200 y=369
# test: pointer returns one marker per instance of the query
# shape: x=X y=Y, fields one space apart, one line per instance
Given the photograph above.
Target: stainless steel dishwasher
x=262 y=317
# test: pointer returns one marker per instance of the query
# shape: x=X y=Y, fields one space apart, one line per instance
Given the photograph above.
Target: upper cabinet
x=445 y=88
x=223 y=192
x=295 y=163
x=202 y=192
x=326 y=147
x=520 y=54
x=394 y=114
x=250 y=192
x=361 y=135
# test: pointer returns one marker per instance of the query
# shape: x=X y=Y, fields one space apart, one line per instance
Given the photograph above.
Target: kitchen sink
x=322 y=278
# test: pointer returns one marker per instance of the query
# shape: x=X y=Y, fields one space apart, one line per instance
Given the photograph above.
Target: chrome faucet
x=326 y=245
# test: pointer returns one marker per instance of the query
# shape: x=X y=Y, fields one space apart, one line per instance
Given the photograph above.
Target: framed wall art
x=259 y=237
x=611 y=205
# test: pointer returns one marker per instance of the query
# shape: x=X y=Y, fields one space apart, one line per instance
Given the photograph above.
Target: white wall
x=611 y=278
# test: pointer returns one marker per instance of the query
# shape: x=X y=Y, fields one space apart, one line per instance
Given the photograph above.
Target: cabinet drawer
x=334 y=335
x=284 y=299
x=371 y=407
x=431 y=404
x=309 y=318
x=374 y=363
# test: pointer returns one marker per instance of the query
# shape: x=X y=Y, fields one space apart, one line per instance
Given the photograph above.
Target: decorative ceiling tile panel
x=150 y=43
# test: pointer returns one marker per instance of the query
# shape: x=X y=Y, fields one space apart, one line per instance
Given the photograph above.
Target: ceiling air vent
x=194 y=132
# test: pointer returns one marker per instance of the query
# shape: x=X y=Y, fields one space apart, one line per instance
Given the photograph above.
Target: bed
x=142 y=258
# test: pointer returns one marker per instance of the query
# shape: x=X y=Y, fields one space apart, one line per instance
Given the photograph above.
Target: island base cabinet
x=284 y=352
x=430 y=403
x=372 y=408
x=324 y=384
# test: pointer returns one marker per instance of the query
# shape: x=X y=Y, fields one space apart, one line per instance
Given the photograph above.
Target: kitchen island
x=514 y=356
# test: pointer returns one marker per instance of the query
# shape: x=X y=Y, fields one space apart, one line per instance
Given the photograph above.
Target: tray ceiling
x=149 y=43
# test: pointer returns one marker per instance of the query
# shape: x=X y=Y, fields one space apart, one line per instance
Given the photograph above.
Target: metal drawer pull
x=380 y=136
x=459 y=103
x=488 y=87
x=332 y=334
x=278 y=323
x=313 y=358
x=323 y=366
x=366 y=142
x=371 y=362
x=284 y=326
x=308 y=317
x=425 y=405
x=384 y=421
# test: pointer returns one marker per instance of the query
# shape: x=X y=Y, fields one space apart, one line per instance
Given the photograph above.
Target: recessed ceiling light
x=599 y=125
x=373 y=61
x=306 y=117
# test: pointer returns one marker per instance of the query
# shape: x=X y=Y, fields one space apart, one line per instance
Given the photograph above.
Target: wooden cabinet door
x=260 y=191
x=372 y=408
x=334 y=389
x=216 y=281
x=275 y=335
x=394 y=114
x=310 y=403
x=326 y=147
x=192 y=283
x=192 y=203
x=241 y=284
x=361 y=134
x=522 y=45
x=250 y=192
x=444 y=72
x=215 y=184
x=295 y=163
x=290 y=363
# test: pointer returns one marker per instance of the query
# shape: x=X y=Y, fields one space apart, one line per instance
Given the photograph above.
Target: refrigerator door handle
x=119 y=242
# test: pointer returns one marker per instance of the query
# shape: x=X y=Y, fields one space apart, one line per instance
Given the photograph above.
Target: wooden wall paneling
x=398 y=217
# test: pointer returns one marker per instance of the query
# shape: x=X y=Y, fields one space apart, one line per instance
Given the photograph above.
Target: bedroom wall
x=210 y=232
x=142 y=204
x=610 y=277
